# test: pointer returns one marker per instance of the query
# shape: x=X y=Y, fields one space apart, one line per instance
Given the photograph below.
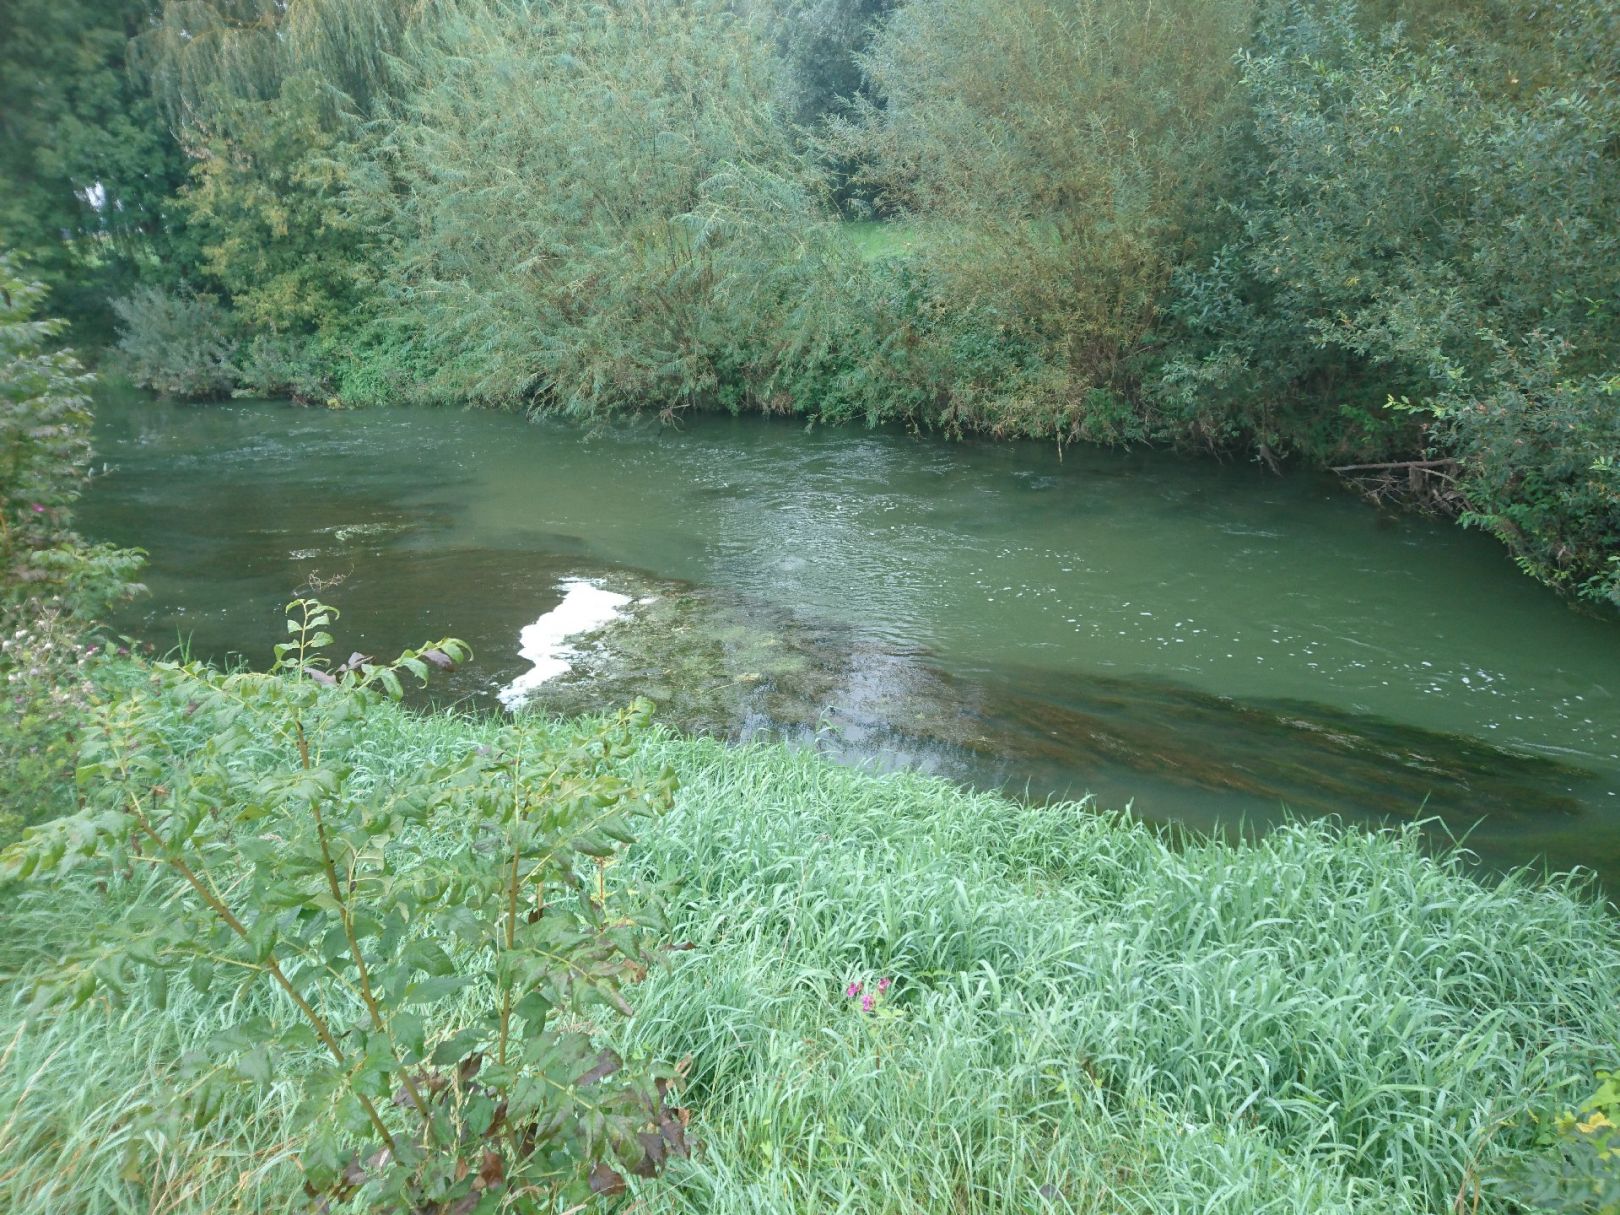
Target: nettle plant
x=437 y=946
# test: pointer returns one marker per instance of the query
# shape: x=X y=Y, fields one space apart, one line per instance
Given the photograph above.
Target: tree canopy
x=1363 y=235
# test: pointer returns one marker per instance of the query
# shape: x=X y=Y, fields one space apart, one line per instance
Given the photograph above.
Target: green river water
x=1209 y=643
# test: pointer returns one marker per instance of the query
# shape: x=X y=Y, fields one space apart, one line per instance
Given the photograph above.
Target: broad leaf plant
x=429 y=958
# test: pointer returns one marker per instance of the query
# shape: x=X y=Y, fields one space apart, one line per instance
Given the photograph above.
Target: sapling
x=422 y=957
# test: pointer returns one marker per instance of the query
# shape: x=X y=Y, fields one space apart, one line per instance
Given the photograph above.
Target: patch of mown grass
x=1083 y=1017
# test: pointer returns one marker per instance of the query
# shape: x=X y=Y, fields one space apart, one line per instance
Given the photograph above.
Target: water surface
x=1205 y=640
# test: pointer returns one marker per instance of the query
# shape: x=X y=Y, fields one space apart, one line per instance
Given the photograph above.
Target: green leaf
x=456 y=1048
x=432 y=990
x=534 y=1008
x=410 y=1034
x=255 y=1065
x=262 y=937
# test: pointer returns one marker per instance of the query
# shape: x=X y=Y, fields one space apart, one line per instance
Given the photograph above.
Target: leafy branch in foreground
x=53 y=584
x=1581 y=1170
x=45 y=419
x=434 y=991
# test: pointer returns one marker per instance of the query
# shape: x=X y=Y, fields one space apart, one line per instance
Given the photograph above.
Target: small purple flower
x=867 y=1002
x=853 y=990
x=38 y=509
x=884 y=984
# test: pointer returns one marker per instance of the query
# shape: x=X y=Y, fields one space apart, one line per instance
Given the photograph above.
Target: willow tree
x=200 y=56
x=270 y=99
x=598 y=206
x=1050 y=154
x=820 y=42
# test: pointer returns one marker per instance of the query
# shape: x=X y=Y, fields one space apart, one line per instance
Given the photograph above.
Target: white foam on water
x=584 y=607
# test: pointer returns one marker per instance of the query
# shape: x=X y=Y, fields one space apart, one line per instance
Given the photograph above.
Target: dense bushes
x=1537 y=448
x=1051 y=156
x=1433 y=223
x=87 y=169
x=44 y=450
x=52 y=584
x=177 y=342
x=45 y=696
x=595 y=208
x=1279 y=229
x=434 y=1004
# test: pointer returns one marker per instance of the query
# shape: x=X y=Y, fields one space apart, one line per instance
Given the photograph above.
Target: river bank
x=1081 y=1018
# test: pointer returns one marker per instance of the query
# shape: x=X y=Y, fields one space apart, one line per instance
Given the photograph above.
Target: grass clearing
x=875 y=239
x=1083 y=1017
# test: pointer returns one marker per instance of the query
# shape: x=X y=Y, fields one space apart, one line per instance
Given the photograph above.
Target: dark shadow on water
x=738 y=668
x=1211 y=762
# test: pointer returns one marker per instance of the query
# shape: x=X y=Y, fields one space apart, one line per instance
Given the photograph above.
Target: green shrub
x=439 y=1015
x=1537 y=449
x=1581 y=1170
x=1433 y=222
x=44 y=447
x=1051 y=157
x=177 y=343
x=46 y=697
x=298 y=367
x=52 y=584
x=266 y=205
x=597 y=208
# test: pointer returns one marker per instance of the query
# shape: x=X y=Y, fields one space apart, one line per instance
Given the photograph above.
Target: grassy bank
x=1082 y=1017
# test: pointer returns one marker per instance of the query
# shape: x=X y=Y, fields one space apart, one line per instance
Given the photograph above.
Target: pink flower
x=884 y=984
x=38 y=509
x=853 y=990
x=867 y=1002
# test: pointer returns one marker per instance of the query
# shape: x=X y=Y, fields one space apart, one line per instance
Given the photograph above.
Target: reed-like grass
x=1084 y=1016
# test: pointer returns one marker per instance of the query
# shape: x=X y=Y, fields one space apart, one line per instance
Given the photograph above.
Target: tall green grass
x=1084 y=1017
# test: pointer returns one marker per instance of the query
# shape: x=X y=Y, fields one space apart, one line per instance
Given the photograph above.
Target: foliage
x=52 y=584
x=1583 y=1171
x=295 y=366
x=1538 y=447
x=1254 y=225
x=87 y=168
x=202 y=59
x=1421 y=221
x=178 y=343
x=265 y=206
x=1083 y=1016
x=598 y=208
x=1056 y=152
x=44 y=450
x=819 y=42
x=46 y=694
x=443 y=1035
x=269 y=101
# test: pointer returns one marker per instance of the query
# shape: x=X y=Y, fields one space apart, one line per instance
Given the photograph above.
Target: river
x=1207 y=642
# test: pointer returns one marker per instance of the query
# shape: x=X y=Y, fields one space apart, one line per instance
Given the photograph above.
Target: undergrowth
x=1083 y=1016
